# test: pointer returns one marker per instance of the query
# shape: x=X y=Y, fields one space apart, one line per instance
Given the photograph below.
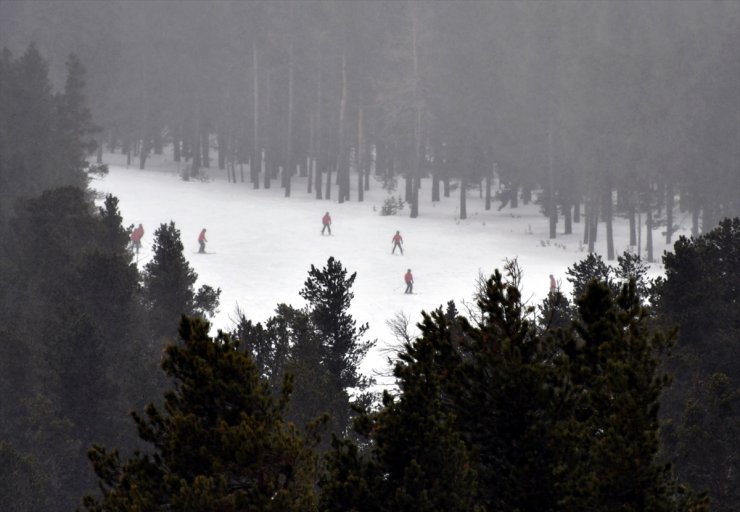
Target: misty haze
x=333 y=255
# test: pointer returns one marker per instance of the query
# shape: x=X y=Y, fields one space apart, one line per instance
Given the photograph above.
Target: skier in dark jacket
x=202 y=241
x=409 y=279
x=397 y=241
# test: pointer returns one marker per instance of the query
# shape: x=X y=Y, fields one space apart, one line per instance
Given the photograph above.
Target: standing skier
x=136 y=236
x=409 y=279
x=553 y=285
x=397 y=241
x=326 y=221
x=202 y=241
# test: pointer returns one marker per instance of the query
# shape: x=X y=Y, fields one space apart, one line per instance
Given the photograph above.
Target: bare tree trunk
x=463 y=196
x=205 y=140
x=415 y=171
x=552 y=203
x=319 y=162
x=222 y=149
x=268 y=155
x=649 y=225
x=669 y=213
x=437 y=170
x=289 y=167
x=256 y=159
x=360 y=153
x=631 y=215
x=489 y=178
x=608 y=214
x=567 y=218
x=577 y=211
x=342 y=167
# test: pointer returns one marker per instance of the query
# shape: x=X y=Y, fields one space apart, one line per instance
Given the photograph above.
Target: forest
x=611 y=108
x=620 y=396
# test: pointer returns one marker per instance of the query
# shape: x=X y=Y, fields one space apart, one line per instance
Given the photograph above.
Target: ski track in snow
x=263 y=244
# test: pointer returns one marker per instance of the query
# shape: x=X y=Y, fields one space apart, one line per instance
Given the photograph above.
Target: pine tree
x=74 y=128
x=586 y=270
x=168 y=285
x=415 y=458
x=328 y=292
x=613 y=364
x=220 y=444
x=699 y=295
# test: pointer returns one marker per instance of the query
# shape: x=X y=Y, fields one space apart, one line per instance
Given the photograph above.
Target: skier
x=136 y=236
x=202 y=241
x=409 y=282
x=326 y=221
x=553 y=285
x=397 y=241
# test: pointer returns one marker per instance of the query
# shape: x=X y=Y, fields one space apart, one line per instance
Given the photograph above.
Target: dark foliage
x=220 y=444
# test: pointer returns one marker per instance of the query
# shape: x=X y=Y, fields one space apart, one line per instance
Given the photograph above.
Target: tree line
x=489 y=406
x=604 y=108
x=510 y=407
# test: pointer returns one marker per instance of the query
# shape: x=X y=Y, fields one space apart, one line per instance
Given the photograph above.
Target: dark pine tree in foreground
x=219 y=444
x=168 y=285
x=321 y=346
x=700 y=295
x=546 y=420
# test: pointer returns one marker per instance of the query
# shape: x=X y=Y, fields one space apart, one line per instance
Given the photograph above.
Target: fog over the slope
x=579 y=98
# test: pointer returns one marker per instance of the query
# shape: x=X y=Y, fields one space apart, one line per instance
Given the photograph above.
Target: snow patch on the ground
x=263 y=244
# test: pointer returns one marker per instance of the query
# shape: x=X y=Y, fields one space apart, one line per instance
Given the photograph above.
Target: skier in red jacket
x=326 y=221
x=202 y=241
x=136 y=236
x=409 y=279
x=397 y=241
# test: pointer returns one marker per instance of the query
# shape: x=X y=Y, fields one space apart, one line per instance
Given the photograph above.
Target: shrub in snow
x=392 y=205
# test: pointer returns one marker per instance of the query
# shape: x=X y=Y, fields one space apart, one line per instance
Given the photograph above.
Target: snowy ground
x=261 y=244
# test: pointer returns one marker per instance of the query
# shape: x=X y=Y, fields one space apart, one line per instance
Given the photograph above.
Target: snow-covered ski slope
x=262 y=244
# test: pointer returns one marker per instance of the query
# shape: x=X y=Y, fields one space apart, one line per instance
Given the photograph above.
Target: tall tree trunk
x=489 y=178
x=463 y=195
x=415 y=168
x=436 y=171
x=222 y=149
x=360 y=154
x=669 y=213
x=552 y=202
x=289 y=165
x=144 y=151
x=631 y=215
x=649 y=224
x=319 y=133
x=577 y=211
x=268 y=155
x=342 y=167
x=256 y=159
x=567 y=212
x=608 y=217
x=205 y=140
x=176 y=144
x=368 y=163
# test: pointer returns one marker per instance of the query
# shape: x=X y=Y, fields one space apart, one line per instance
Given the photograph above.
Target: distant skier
x=553 y=285
x=397 y=241
x=136 y=236
x=202 y=241
x=326 y=221
x=409 y=279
